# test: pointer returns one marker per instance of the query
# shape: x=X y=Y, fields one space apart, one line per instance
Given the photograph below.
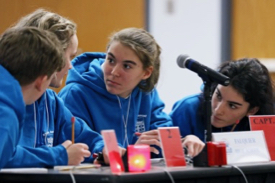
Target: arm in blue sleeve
x=38 y=157
x=158 y=117
x=83 y=133
x=74 y=97
x=185 y=115
x=8 y=145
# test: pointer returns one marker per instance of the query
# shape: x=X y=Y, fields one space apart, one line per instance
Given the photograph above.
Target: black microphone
x=184 y=61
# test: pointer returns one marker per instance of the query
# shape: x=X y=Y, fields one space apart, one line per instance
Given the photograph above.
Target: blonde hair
x=46 y=20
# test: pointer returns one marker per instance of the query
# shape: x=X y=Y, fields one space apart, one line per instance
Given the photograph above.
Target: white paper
x=244 y=147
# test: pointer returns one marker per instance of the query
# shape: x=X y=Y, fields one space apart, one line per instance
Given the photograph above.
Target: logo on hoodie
x=49 y=138
x=140 y=124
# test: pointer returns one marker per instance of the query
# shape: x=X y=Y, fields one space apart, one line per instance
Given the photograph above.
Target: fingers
x=96 y=162
x=154 y=150
x=193 y=144
x=84 y=150
x=149 y=142
x=151 y=132
x=122 y=151
x=149 y=137
x=86 y=153
x=77 y=153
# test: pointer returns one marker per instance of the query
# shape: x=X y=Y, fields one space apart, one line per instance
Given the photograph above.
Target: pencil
x=73 y=120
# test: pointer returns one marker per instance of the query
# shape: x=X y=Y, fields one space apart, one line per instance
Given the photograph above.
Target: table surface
x=254 y=172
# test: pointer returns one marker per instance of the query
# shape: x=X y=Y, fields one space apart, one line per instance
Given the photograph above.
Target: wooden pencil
x=73 y=121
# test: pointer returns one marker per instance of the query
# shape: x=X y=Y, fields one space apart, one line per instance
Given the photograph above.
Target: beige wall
x=96 y=19
x=253 y=30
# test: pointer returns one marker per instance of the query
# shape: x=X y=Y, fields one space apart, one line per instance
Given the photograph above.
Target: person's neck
x=28 y=92
x=125 y=96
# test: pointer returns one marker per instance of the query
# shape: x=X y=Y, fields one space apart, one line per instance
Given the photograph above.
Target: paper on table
x=22 y=170
x=81 y=166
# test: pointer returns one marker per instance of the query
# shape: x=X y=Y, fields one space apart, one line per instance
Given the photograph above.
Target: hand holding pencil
x=76 y=151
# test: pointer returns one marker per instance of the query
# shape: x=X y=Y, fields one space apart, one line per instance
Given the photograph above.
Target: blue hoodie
x=187 y=115
x=86 y=96
x=46 y=126
x=12 y=109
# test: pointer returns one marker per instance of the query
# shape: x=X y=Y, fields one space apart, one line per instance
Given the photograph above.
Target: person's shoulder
x=10 y=87
x=7 y=79
x=190 y=99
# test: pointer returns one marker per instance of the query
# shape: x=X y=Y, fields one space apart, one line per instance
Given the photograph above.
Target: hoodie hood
x=87 y=71
x=11 y=93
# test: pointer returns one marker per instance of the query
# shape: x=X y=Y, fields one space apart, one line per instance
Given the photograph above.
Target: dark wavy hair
x=250 y=78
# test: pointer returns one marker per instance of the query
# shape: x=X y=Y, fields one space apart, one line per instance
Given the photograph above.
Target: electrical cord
x=72 y=176
x=241 y=172
x=169 y=175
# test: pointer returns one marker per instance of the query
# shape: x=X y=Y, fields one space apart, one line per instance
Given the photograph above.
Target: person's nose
x=219 y=109
x=116 y=71
x=70 y=65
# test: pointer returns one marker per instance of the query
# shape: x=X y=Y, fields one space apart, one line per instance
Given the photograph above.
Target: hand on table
x=151 y=138
x=193 y=144
x=76 y=152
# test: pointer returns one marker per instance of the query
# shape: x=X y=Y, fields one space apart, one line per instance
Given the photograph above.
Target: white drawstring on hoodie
x=125 y=121
x=35 y=122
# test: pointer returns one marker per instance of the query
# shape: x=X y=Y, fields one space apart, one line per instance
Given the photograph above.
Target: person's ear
x=252 y=111
x=39 y=82
x=148 y=72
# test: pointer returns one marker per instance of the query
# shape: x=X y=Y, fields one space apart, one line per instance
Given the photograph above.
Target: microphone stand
x=201 y=160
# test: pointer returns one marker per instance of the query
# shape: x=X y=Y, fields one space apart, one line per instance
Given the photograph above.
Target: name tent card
x=267 y=124
x=244 y=147
x=110 y=142
x=171 y=146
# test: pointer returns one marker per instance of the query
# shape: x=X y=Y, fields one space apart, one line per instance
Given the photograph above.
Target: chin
x=55 y=85
x=112 y=91
x=217 y=125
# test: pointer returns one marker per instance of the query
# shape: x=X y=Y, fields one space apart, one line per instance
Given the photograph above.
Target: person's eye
x=218 y=95
x=233 y=106
x=127 y=66
x=110 y=60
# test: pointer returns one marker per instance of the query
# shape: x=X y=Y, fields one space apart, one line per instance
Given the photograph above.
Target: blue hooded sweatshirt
x=46 y=126
x=188 y=116
x=185 y=115
x=12 y=109
x=86 y=96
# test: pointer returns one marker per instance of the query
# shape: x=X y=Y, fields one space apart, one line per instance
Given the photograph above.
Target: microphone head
x=181 y=60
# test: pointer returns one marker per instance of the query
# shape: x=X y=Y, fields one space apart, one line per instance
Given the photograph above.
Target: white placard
x=244 y=147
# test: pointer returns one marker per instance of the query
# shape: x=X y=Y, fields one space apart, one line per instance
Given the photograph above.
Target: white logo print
x=49 y=138
x=140 y=124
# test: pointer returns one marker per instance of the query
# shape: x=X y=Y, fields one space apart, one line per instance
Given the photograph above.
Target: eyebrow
x=232 y=102
x=127 y=61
